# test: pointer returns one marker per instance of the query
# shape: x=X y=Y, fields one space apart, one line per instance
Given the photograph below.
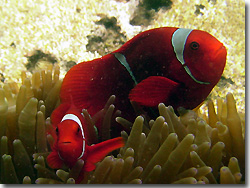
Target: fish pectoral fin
x=54 y=160
x=98 y=151
x=88 y=166
x=153 y=90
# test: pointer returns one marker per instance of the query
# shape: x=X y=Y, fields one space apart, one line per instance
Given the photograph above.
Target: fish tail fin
x=88 y=85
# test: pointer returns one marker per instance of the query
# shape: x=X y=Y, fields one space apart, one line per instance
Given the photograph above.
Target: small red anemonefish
x=71 y=142
x=175 y=66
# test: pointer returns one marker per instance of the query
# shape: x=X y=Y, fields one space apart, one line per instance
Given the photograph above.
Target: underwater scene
x=122 y=92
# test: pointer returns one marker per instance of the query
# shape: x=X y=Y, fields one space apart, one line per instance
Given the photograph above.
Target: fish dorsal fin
x=179 y=39
x=153 y=90
x=73 y=117
x=58 y=113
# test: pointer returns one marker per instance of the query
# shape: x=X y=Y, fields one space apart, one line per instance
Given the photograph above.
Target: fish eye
x=78 y=130
x=57 y=130
x=194 y=45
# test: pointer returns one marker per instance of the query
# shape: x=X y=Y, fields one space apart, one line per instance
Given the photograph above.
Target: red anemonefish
x=175 y=66
x=71 y=142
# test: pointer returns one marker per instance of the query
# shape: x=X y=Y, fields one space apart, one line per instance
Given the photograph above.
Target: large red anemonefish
x=175 y=66
x=71 y=142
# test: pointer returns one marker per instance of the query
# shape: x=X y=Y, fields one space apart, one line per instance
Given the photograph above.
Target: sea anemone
x=23 y=128
x=194 y=148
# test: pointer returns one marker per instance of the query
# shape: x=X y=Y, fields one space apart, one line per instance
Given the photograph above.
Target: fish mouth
x=221 y=51
x=64 y=143
x=64 y=146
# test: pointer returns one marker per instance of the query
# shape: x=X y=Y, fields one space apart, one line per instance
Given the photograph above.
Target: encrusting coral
x=195 y=148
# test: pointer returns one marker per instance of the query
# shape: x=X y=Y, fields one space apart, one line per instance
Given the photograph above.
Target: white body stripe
x=179 y=39
x=77 y=120
x=122 y=59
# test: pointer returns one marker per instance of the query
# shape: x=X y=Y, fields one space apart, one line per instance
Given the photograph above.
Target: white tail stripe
x=77 y=120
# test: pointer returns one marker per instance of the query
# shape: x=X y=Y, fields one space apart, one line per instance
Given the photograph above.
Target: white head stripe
x=77 y=120
x=179 y=39
x=190 y=74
